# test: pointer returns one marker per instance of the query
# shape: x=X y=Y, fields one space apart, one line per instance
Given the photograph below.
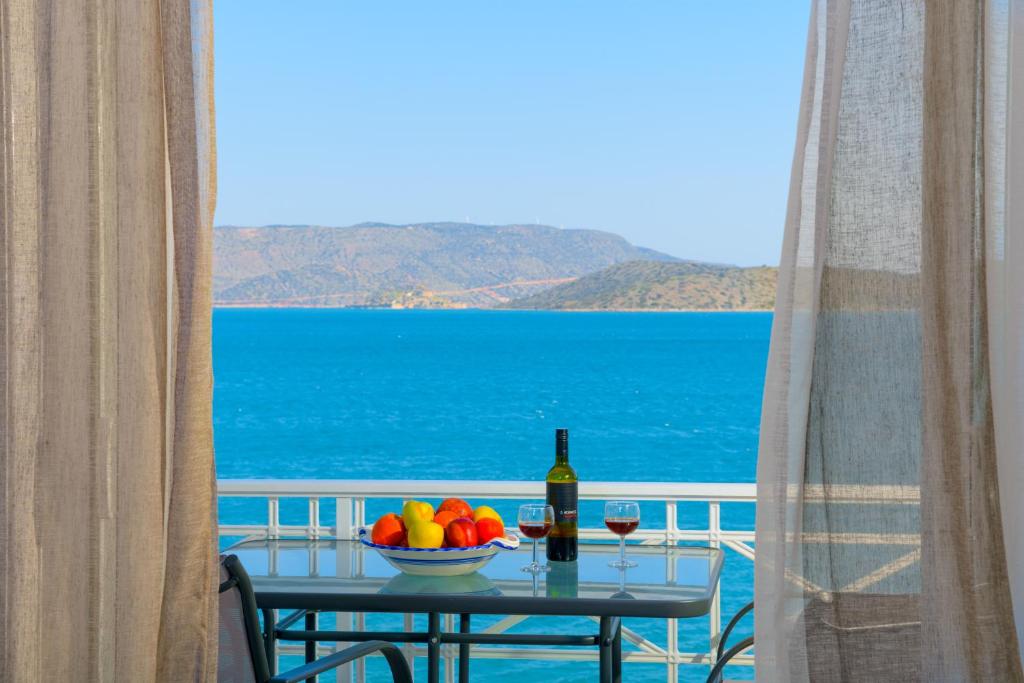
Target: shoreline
x=270 y=306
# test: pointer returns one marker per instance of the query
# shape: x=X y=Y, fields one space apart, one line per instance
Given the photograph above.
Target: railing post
x=448 y=651
x=671 y=522
x=361 y=662
x=343 y=569
x=313 y=531
x=273 y=517
x=360 y=511
x=715 y=541
x=343 y=521
x=672 y=650
x=408 y=648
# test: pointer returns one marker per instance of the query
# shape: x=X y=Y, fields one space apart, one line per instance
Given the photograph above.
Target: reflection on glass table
x=666 y=581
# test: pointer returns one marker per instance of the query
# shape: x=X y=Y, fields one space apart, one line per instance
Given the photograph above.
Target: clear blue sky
x=670 y=122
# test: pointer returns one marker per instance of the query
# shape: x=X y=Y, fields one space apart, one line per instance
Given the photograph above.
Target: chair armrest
x=716 y=672
x=732 y=624
x=399 y=668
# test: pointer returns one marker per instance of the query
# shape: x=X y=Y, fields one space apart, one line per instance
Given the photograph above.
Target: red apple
x=460 y=507
x=488 y=528
x=461 y=533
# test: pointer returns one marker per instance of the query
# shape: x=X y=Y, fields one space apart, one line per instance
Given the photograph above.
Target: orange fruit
x=388 y=530
x=444 y=517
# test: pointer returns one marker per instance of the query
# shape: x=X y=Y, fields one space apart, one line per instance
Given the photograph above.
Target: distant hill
x=419 y=265
x=651 y=285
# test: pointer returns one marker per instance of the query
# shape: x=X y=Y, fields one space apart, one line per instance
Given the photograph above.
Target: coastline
x=268 y=305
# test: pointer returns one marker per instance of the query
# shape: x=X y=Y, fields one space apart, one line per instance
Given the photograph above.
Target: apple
x=416 y=511
x=460 y=507
x=461 y=533
x=488 y=528
x=426 y=534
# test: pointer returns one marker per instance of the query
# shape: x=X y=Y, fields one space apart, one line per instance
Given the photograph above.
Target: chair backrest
x=242 y=657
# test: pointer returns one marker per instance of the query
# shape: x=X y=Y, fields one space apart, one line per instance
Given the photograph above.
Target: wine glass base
x=535 y=568
x=622 y=564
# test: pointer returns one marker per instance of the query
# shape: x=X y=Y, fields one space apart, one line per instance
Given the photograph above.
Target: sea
x=477 y=394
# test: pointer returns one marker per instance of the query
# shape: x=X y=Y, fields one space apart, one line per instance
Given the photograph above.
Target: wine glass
x=535 y=521
x=622 y=517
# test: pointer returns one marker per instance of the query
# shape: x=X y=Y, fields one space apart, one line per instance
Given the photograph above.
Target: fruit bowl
x=439 y=561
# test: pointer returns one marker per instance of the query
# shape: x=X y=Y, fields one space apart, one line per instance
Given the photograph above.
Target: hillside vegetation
x=651 y=285
x=418 y=265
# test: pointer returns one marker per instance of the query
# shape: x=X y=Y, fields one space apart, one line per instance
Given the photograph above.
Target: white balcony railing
x=350 y=498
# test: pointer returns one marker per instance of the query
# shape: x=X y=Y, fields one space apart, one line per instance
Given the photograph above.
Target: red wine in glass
x=622 y=517
x=535 y=521
x=621 y=526
x=534 y=530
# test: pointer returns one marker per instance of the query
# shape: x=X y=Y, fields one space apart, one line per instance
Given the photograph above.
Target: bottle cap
x=562 y=440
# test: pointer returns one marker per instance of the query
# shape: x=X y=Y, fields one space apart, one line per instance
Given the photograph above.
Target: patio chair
x=723 y=656
x=243 y=658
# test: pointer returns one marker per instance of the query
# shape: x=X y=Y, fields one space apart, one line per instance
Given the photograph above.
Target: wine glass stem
x=622 y=549
x=535 y=543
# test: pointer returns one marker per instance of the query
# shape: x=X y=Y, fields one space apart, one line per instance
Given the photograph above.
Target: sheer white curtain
x=107 y=538
x=1004 y=206
x=892 y=408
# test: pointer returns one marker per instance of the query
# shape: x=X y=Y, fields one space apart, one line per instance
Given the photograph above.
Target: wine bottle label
x=564 y=499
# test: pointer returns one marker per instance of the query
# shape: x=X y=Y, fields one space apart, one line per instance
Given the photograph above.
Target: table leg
x=269 y=642
x=464 y=650
x=610 y=649
x=604 y=646
x=617 y=653
x=311 y=644
x=433 y=647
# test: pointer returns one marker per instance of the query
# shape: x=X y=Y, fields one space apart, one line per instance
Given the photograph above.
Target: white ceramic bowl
x=440 y=561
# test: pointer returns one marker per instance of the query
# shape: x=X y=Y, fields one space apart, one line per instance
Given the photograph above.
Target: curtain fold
x=107 y=500
x=880 y=544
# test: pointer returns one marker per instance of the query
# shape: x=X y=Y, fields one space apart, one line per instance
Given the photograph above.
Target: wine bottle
x=563 y=496
x=563 y=581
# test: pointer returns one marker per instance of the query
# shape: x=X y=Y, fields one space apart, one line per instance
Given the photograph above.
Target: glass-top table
x=332 y=575
x=345 y=576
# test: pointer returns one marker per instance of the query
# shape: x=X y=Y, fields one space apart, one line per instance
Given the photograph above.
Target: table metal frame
x=608 y=611
x=608 y=640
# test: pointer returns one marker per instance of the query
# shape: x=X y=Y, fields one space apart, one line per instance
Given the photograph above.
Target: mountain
x=651 y=285
x=418 y=265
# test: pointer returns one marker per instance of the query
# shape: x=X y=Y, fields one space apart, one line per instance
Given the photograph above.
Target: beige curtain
x=107 y=549
x=889 y=410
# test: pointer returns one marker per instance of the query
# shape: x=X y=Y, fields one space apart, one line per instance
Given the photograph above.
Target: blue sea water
x=315 y=393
